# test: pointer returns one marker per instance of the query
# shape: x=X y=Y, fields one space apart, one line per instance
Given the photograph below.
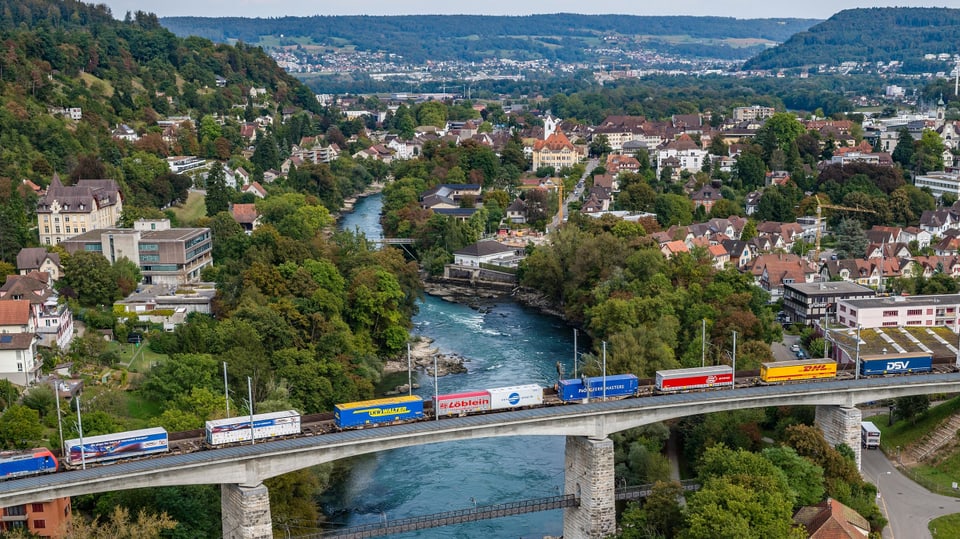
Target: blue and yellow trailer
x=363 y=413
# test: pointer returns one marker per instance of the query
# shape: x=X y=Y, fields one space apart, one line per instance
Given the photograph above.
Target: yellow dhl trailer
x=802 y=369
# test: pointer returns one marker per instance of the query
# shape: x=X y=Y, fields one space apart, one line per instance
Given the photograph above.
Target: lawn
x=195 y=208
x=903 y=434
x=945 y=527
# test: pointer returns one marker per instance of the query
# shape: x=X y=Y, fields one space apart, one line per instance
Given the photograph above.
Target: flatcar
x=238 y=429
x=614 y=385
x=713 y=377
x=776 y=372
x=120 y=445
x=907 y=363
x=498 y=398
x=14 y=464
x=378 y=411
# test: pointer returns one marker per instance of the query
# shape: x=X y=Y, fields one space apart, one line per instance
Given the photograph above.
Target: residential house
x=706 y=196
x=831 y=519
x=913 y=233
x=681 y=154
x=740 y=252
x=18 y=343
x=31 y=259
x=39 y=519
x=53 y=320
x=617 y=163
x=255 y=189
x=752 y=202
x=872 y=272
x=247 y=216
x=949 y=244
x=719 y=254
x=486 y=252
x=888 y=250
x=125 y=133
x=66 y=211
x=517 y=211
x=773 y=271
x=776 y=177
x=671 y=249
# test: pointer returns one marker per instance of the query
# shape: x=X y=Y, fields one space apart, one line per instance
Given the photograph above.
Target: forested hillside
x=870 y=35
x=418 y=38
x=61 y=54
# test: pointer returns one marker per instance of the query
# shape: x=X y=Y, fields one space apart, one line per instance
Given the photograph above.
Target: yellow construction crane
x=816 y=249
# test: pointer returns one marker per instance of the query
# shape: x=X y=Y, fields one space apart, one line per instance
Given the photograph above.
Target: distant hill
x=871 y=35
x=560 y=36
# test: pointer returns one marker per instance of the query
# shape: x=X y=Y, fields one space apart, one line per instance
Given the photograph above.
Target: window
x=66 y=218
x=46 y=230
x=890 y=313
x=853 y=313
x=57 y=229
x=39 y=524
x=843 y=308
x=36 y=507
x=914 y=312
x=929 y=311
x=15 y=511
x=889 y=324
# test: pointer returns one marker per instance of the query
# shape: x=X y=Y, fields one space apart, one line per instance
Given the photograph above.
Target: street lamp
x=878 y=482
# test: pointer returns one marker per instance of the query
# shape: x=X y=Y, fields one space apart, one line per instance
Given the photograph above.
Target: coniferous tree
x=218 y=198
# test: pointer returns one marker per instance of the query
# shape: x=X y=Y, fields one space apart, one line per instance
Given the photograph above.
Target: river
x=505 y=344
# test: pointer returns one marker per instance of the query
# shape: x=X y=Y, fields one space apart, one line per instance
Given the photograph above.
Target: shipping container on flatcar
x=120 y=445
x=15 y=464
x=462 y=403
x=237 y=429
x=716 y=376
x=502 y=398
x=372 y=412
x=775 y=372
x=617 y=385
x=908 y=363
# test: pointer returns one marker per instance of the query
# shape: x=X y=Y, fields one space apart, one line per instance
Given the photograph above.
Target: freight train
x=355 y=415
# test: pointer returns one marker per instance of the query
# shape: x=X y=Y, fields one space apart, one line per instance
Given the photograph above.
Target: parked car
x=795 y=348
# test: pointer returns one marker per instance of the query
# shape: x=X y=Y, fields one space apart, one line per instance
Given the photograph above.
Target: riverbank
x=423 y=357
x=350 y=203
x=478 y=295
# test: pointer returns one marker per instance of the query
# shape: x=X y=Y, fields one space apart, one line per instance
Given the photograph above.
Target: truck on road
x=869 y=435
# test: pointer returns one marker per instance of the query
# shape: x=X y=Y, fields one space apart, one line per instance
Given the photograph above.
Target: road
x=570 y=197
x=908 y=506
x=782 y=351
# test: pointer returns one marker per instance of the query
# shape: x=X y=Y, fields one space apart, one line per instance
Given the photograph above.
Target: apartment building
x=805 y=302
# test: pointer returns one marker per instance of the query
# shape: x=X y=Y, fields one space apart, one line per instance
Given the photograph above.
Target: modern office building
x=166 y=256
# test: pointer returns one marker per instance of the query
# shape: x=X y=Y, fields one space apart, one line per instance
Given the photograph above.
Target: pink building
x=898 y=311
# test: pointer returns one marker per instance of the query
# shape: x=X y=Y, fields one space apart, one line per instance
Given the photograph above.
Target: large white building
x=940 y=183
x=67 y=211
x=897 y=311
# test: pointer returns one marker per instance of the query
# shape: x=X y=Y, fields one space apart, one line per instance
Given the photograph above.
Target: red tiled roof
x=14 y=312
x=555 y=142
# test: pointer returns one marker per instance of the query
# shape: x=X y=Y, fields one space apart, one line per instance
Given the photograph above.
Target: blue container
x=374 y=412
x=895 y=364
x=618 y=385
x=23 y=463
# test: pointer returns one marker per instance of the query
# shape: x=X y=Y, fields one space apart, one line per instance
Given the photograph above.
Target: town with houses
x=84 y=216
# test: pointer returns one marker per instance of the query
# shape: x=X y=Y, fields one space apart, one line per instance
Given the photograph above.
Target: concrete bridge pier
x=246 y=512
x=840 y=424
x=588 y=473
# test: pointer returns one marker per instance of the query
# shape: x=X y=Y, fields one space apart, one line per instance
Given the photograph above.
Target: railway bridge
x=588 y=468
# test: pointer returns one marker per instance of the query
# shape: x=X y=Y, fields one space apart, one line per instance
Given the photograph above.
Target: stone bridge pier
x=588 y=473
x=840 y=424
x=246 y=512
